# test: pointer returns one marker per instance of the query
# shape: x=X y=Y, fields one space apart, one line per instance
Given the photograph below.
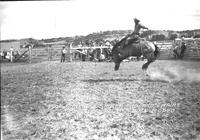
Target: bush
x=197 y=36
x=159 y=37
x=172 y=36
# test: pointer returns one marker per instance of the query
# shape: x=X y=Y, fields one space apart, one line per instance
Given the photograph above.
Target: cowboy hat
x=135 y=19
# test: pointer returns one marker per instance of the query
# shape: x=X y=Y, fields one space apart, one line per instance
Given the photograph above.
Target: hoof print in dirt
x=159 y=118
x=114 y=126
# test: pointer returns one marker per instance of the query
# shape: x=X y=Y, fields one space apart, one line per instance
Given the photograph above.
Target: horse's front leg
x=117 y=66
x=145 y=66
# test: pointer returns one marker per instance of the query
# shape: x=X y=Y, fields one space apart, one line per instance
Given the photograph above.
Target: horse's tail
x=157 y=51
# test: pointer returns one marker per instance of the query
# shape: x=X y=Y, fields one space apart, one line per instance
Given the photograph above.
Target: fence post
x=49 y=53
x=11 y=54
x=70 y=57
x=30 y=53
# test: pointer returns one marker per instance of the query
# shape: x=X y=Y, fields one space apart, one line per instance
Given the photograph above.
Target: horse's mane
x=121 y=41
x=115 y=46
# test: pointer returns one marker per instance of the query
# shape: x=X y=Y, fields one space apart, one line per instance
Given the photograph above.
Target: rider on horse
x=136 y=33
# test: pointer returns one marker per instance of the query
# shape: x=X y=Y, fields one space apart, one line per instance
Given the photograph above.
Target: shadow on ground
x=122 y=80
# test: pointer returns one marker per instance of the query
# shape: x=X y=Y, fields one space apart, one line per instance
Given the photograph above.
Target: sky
x=49 y=19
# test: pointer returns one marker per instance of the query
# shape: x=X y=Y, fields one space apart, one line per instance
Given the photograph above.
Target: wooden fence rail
x=192 y=50
x=53 y=51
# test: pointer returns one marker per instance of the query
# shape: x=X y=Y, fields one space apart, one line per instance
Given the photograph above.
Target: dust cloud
x=175 y=74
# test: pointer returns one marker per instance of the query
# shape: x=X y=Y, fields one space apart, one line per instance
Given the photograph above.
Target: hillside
x=153 y=35
x=150 y=34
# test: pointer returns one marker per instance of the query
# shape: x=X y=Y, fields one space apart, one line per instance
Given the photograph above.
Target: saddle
x=132 y=38
x=129 y=39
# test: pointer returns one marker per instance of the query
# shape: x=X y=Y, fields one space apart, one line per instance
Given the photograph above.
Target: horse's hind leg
x=145 y=66
x=117 y=66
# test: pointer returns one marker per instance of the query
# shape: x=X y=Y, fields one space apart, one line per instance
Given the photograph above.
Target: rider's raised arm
x=142 y=26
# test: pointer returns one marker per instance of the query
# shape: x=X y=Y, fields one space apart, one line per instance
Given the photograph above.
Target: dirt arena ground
x=90 y=101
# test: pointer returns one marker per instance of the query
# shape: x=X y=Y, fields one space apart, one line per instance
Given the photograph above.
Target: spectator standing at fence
x=183 y=48
x=1 y=55
x=63 y=52
x=84 y=53
x=4 y=54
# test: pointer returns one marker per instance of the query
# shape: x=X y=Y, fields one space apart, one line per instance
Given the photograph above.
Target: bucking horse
x=121 y=50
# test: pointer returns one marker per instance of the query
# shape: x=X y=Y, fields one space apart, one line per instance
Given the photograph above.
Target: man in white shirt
x=63 y=52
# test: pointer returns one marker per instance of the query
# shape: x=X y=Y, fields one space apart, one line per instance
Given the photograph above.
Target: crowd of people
x=91 y=53
x=9 y=55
